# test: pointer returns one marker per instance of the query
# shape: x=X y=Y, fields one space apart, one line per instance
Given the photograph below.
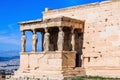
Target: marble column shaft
x=23 y=42
x=34 y=42
x=46 y=42
x=60 y=41
x=73 y=40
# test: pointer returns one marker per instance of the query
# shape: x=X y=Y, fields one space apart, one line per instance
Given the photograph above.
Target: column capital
x=34 y=31
x=72 y=30
x=46 y=30
x=60 y=28
x=23 y=32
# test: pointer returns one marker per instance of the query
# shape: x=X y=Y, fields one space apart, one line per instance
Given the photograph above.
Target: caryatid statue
x=46 y=42
x=60 y=41
x=34 y=42
x=23 y=41
x=73 y=40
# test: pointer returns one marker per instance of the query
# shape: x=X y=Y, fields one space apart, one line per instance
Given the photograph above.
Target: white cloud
x=10 y=35
x=2 y=32
x=9 y=40
x=11 y=26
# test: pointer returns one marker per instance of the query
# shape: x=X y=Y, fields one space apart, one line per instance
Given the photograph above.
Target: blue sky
x=14 y=11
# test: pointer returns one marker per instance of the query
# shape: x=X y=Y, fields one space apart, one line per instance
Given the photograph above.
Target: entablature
x=52 y=22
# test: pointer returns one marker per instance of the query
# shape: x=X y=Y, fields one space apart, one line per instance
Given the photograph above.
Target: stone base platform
x=50 y=75
x=104 y=71
x=50 y=65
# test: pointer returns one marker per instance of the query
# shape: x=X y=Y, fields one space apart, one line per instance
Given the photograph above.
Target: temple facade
x=76 y=41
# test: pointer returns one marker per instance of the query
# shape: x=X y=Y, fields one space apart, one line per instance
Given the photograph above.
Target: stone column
x=73 y=40
x=34 y=41
x=60 y=41
x=46 y=42
x=23 y=42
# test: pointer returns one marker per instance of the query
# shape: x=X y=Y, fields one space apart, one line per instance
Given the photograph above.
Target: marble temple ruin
x=76 y=41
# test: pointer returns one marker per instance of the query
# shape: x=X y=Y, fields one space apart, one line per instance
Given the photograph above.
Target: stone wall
x=51 y=64
x=101 y=42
